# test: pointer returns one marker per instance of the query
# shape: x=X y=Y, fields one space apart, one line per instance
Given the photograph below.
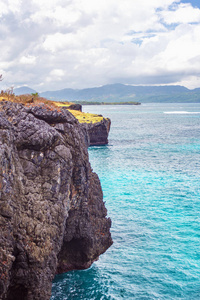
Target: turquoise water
x=150 y=179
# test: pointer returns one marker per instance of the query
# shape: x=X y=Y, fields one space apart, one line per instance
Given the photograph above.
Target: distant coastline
x=108 y=103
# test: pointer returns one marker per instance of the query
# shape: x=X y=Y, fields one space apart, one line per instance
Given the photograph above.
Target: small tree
x=35 y=95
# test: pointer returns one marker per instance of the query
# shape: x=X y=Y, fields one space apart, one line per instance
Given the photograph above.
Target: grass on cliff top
x=62 y=104
x=80 y=116
x=86 y=117
x=31 y=100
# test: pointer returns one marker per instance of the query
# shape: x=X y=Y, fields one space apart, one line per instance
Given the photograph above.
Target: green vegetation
x=35 y=95
x=189 y=97
x=120 y=93
x=86 y=117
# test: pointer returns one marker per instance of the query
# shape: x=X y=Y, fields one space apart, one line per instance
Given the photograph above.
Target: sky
x=57 y=44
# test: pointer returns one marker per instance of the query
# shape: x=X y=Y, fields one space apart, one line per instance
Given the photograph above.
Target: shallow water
x=149 y=173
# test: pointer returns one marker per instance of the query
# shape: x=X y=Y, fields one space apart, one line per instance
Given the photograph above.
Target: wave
x=181 y=112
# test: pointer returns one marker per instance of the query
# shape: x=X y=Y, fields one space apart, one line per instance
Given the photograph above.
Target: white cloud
x=59 y=16
x=29 y=59
x=9 y=6
x=184 y=13
x=60 y=41
x=53 y=44
x=191 y=81
x=58 y=72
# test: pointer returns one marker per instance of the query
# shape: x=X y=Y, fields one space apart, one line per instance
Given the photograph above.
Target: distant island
x=121 y=94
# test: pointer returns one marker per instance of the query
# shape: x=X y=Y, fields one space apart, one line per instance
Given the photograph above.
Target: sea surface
x=150 y=176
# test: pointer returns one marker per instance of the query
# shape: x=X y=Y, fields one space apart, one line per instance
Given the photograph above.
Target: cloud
x=83 y=43
x=28 y=60
x=184 y=13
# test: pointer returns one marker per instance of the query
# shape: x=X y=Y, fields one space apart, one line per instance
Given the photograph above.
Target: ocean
x=150 y=176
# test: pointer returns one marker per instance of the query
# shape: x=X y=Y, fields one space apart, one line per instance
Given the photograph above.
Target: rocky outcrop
x=97 y=133
x=75 y=107
x=52 y=215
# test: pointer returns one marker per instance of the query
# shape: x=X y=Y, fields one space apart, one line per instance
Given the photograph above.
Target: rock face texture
x=97 y=133
x=52 y=215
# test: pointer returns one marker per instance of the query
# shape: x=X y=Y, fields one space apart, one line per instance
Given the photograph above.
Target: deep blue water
x=150 y=178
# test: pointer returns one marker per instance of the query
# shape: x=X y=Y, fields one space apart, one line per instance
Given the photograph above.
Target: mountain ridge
x=122 y=93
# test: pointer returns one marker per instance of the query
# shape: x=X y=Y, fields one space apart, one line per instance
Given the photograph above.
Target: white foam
x=181 y=112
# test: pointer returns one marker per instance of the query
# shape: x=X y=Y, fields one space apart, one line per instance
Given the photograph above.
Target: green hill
x=126 y=93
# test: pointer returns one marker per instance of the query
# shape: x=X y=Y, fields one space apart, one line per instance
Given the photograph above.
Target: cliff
x=96 y=127
x=97 y=133
x=52 y=214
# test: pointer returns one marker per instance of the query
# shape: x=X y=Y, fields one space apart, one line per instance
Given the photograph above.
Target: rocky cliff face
x=95 y=127
x=52 y=215
x=97 y=133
